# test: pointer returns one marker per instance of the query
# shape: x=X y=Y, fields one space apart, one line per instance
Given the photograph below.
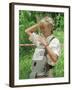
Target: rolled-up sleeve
x=33 y=38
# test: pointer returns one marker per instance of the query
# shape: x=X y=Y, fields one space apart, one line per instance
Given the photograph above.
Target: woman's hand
x=42 y=40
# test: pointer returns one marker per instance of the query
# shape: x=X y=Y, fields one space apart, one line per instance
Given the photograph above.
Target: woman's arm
x=31 y=29
x=51 y=55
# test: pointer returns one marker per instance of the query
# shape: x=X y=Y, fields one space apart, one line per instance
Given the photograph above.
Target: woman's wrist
x=46 y=45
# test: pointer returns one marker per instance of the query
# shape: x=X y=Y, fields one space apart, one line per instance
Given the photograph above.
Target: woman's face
x=45 y=28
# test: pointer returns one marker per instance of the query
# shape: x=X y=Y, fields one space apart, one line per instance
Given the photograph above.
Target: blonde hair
x=48 y=20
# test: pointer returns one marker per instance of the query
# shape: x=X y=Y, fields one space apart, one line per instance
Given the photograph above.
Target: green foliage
x=25 y=63
x=59 y=35
x=59 y=68
x=59 y=22
x=27 y=19
x=25 y=66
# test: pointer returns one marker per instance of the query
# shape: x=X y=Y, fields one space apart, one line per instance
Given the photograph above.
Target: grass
x=25 y=61
x=59 y=68
x=25 y=64
x=25 y=67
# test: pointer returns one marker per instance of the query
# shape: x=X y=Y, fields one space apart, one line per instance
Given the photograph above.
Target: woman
x=48 y=40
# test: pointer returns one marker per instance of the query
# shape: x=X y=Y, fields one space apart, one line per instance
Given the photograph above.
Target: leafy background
x=27 y=19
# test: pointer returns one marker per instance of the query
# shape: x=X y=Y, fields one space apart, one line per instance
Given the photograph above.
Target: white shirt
x=54 y=45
